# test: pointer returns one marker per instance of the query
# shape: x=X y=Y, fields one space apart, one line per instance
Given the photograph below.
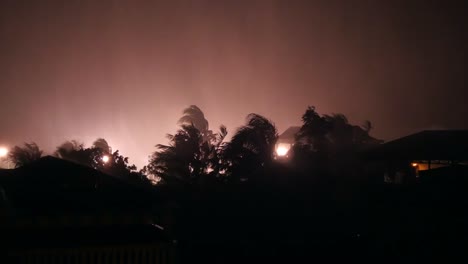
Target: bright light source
x=105 y=158
x=209 y=170
x=414 y=164
x=3 y=152
x=282 y=149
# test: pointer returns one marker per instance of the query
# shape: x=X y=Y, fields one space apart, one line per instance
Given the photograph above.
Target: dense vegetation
x=198 y=156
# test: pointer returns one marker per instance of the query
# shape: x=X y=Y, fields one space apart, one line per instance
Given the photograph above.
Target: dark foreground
x=284 y=223
x=388 y=223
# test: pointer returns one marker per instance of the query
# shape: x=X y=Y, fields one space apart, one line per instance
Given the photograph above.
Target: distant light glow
x=209 y=170
x=3 y=152
x=282 y=149
x=414 y=164
x=105 y=158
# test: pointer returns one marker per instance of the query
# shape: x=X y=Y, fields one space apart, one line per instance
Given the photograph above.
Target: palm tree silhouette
x=251 y=146
x=181 y=159
x=193 y=151
x=331 y=133
x=194 y=115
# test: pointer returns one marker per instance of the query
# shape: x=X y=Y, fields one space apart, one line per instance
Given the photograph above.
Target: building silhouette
x=57 y=211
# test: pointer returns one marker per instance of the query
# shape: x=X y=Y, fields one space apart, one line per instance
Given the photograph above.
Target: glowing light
x=414 y=164
x=105 y=158
x=282 y=149
x=3 y=152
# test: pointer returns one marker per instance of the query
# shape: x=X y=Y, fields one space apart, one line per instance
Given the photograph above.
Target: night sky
x=125 y=70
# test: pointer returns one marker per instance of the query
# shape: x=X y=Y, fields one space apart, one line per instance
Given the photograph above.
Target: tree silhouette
x=75 y=151
x=342 y=134
x=251 y=146
x=193 y=151
x=313 y=131
x=102 y=144
x=193 y=115
x=187 y=157
x=213 y=151
x=117 y=165
x=325 y=133
x=181 y=160
x=21 y=156
x=101 y=149
x=329 y=147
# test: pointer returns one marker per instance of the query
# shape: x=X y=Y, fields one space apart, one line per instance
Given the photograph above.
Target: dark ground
x=386 y=223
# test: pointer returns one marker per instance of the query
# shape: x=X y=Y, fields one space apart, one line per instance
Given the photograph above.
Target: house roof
x=289 y=135
x=48 y=171
x=57 y=184
x=425 y=145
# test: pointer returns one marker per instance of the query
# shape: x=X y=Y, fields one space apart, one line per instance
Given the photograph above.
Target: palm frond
x=193 y=115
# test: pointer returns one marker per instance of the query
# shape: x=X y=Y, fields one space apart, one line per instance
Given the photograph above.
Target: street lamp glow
x=105 y=158
x=3 y=152
x=282 y=149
